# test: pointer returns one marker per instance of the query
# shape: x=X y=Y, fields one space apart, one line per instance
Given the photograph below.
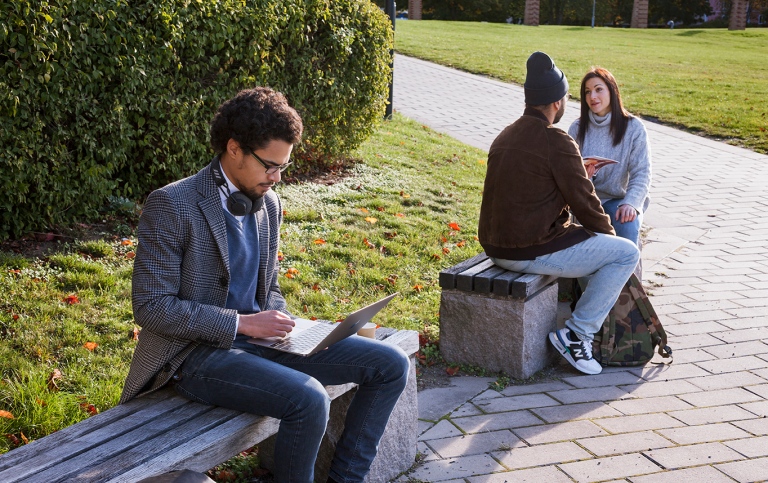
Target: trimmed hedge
x=103 y=98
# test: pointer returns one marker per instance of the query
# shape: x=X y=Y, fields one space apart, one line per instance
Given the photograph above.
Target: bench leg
x=498 y=333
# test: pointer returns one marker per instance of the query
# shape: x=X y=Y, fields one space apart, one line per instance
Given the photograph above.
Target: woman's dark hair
x=253 y=118
x=619 y=116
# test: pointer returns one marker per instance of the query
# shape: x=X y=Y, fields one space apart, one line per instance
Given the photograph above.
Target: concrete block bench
x=497 y=319
x=163 y=432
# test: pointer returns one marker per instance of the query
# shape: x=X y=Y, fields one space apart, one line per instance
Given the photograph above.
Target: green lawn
x=408 y=210
x=706 y=80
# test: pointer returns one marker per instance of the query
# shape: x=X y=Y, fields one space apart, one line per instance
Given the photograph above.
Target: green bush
x=113 y=98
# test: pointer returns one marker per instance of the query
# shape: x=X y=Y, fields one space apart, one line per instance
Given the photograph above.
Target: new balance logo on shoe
x=574 y=350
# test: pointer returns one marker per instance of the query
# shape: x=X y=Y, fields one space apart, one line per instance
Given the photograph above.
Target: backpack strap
x=659 y=335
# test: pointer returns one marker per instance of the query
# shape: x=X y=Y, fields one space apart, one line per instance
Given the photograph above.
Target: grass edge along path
x=708 y=81
x=408 y=210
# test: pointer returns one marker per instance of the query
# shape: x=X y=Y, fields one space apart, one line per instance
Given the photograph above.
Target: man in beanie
x=535 y=181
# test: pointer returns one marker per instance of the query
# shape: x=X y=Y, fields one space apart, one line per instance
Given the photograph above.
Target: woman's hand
x=591 y=169
x=626 y=213
x=270 y=323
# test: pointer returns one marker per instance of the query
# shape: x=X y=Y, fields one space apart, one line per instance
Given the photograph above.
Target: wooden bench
x=497 y=319
x=163 y=432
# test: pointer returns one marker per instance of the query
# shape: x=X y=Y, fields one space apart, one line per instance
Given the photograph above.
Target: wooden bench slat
x=484 y=281
x=208 y=449
x=66 y=443
x=105 y=443
x=464 y=280
x=447 y=277
x=528 y=284
x=503 y=282
x=133 y=453
x=43 y=445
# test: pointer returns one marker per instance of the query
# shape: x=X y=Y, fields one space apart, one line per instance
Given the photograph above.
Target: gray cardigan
x=629 y=180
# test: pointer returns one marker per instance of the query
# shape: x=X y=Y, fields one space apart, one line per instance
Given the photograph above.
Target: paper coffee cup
x=368 y=330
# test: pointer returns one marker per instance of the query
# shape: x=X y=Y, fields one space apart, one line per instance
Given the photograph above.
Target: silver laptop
x=309 y=337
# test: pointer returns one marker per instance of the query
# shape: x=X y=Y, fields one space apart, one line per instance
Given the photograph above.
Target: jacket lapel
x=262 y=221
x=210 y=206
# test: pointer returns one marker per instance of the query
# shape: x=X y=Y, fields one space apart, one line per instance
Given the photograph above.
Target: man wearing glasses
x=205 y=280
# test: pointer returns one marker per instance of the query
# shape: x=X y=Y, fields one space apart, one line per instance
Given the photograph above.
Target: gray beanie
x=544 y=83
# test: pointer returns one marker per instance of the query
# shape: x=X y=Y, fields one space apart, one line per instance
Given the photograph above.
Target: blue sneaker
x=575 y=351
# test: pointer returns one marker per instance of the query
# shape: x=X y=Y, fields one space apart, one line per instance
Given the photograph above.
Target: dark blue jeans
x=264 y=381
x=629 y=230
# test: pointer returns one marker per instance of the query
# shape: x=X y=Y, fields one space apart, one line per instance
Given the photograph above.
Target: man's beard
x=560 y=112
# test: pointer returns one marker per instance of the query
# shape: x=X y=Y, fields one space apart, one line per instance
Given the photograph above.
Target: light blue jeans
x=629 y=230
x=264 y=381
x=606 y=260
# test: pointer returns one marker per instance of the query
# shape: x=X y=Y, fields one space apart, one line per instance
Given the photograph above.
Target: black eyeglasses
x=271 y=168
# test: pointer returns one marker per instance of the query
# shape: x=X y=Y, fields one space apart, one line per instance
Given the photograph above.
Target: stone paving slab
x=702 y=418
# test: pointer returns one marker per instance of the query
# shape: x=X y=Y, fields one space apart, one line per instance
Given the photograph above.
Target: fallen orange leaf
x=399 y=215
x=6 y=414
x=280 y=256
x=364 y=210
x=446 y=250
x=130 y=255
x=126 y=242
x=380 y=208
x=15 y=316
x=418 y=287
x=404 y=194
x=135 y=333
x=436 y=256
x=316 y=286
x=368 y=244
x=454 y=226
x=461 y=243
x=71 y=299
x=90 y=346
x=89 y=408
x=452 y=370
x=313 y=318
x=371 y=219
x=319 y=241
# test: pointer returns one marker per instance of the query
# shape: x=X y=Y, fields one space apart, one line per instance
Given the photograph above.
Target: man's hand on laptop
x=270 y=323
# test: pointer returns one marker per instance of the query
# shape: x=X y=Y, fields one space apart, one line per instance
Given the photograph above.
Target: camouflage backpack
x=631 y=331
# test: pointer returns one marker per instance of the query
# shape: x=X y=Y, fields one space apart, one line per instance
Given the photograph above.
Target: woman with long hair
x=607 y=130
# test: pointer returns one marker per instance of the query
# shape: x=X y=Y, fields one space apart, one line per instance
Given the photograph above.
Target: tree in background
x=472 y=10
x=754 y=8
x=686 y=11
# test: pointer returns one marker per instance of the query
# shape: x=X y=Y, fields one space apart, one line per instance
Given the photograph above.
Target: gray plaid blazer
x=181 y=277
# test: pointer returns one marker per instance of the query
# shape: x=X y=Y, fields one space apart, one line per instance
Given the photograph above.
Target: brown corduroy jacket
x=535 y=179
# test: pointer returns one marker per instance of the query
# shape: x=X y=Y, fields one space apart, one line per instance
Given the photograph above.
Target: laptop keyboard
x=305 y=341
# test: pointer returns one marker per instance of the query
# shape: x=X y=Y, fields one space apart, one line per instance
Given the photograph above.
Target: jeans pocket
x=544 y=267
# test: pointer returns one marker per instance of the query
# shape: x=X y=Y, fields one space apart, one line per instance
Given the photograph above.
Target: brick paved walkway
x=702 y=419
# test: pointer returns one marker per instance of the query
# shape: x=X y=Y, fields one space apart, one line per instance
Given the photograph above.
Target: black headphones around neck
x=237 y=203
